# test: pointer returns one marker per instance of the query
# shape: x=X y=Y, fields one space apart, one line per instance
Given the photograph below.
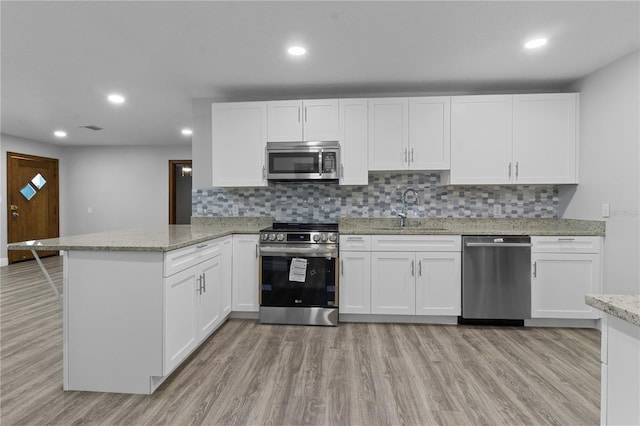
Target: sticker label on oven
x=298 y=270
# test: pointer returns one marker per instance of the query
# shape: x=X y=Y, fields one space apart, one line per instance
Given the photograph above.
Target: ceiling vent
x=92 y=127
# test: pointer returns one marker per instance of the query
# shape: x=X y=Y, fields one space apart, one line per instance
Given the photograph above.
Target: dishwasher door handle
x=498 y=244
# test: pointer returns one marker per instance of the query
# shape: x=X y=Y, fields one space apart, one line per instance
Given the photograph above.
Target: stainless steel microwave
x=316 y=160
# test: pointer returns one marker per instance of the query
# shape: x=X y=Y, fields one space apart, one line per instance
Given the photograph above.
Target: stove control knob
x=316 y=238
x=264 y=237
x=280 y=237
x=333 y=238
x=323 y=237
x=272 y=237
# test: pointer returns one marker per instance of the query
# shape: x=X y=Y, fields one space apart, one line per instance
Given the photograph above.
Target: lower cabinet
x=564 y=270
x=245 y=273
x=400 y=274
x=196 y=302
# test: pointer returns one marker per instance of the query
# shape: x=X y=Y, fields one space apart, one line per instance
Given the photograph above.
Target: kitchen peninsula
x=138 y=302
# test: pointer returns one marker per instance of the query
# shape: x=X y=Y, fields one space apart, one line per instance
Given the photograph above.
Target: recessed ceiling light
x=535 y=43
x=186 y=132
x=60 y=134
x=116 y=98
x=296 y=50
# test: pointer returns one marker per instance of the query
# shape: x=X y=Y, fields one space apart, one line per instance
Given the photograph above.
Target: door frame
x=173 y=170
x=54 y=198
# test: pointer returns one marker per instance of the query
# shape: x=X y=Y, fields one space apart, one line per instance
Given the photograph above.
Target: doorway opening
x=33 y=202
x=180 y=172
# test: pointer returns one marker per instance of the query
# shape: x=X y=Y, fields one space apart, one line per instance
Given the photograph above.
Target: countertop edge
x=625 y=307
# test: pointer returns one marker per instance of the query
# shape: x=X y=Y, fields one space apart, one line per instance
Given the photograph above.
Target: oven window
x=294 y=162
x=318 y=288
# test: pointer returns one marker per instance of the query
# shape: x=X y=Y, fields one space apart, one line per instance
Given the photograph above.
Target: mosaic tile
x=312 y=201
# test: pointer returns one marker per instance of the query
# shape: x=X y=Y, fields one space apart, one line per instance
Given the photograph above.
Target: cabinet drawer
x=181 y=259
x=560 y=244
x=416 y=243
x=355 y=242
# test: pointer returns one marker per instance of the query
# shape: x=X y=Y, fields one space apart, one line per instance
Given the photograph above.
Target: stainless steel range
x=299 y=274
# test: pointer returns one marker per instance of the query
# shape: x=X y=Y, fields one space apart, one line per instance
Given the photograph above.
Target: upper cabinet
x=545 y=138
x=239 y=140
x=353 y=141
x=514 y=139
x=409 y=133
x=308 y=120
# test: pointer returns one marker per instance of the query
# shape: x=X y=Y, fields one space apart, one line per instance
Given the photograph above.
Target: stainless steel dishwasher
x=496 y=280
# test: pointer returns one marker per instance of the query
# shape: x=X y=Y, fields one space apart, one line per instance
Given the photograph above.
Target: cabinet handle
x=517 y=167
x=355 y=238
x=509 y=169
x=204 y=283
x=412 y=270
x=566 y=239
x=341 y=170
x=199 y=282
x=405 y=155
x=305 y=114
x=298 y=114
x=200 y=246
x=412 y=155
x=535 y=269
x=256 y=251
x=420 y=268
x=342 y=267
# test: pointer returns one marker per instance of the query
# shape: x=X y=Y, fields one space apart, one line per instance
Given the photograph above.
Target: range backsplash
x=314 y=202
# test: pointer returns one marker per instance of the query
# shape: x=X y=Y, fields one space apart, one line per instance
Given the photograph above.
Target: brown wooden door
x=32 y=192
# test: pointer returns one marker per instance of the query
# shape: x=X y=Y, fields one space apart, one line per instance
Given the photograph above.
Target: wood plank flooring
x=354 y=374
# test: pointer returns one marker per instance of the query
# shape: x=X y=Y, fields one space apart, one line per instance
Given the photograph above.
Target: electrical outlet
x=606 y=210
x=497 y=209
x=235 y=210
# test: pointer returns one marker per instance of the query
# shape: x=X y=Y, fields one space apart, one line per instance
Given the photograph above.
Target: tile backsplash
x=324 y=202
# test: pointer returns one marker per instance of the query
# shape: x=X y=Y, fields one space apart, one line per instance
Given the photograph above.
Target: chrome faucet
x=403 y=214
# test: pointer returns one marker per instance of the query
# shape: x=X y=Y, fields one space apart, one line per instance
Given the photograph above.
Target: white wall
x=10 y=143
x=126 y=187
x=609 y=163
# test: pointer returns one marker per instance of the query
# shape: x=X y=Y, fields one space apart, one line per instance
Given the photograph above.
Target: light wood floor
x=354 y=374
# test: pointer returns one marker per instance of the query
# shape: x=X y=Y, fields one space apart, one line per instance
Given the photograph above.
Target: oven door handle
x=298 y=251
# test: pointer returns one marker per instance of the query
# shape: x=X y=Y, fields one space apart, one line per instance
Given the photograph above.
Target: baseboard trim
x=407 y=319
x=563 y=322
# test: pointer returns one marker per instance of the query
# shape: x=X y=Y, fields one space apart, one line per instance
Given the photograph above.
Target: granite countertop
x=625 y=307
x=472 y=226
x=159 y=238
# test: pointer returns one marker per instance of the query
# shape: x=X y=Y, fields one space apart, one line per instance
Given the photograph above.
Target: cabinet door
x=355 y=282
x=545 y=138
x=239 y=137
x=354 y=141
x=180 y=328
x=245 y=273
x=438 y=283
x=429 y=133
x=285 y=121
x=393 y=283
x=481 y=139
x=210 y=292
x=320 y=119
x=388 y=134
x=226 y=284
x=560 y=282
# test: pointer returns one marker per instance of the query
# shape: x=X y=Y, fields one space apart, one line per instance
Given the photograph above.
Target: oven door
x=304 y=278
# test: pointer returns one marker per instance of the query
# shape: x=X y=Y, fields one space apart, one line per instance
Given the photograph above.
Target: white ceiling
x=60 y=59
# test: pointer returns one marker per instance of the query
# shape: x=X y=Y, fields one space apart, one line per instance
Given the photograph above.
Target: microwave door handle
x=320 y=165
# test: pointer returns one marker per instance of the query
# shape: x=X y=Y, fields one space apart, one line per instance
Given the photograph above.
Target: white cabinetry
x=564 y=269
x=239 y=137
x=545 y=138
x=355 y=274
x=245 y=273
x=416 y=275
x=409 y=133
x=514 y=139
x=308 y=120
x=481 y=139
x=353 y=141
x=195 y=297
